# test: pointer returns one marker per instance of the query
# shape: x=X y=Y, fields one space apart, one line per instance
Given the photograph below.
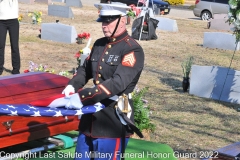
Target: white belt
x=116 y=97
x=120 y=104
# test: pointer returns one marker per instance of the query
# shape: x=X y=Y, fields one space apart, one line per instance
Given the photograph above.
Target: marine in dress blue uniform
x=115 y=65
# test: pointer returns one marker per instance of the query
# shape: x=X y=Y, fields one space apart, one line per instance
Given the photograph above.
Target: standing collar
x=119 y=37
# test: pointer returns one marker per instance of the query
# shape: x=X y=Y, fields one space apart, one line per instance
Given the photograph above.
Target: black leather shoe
x=15 y=72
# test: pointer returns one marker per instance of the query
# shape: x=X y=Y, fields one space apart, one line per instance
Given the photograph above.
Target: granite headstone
x=167 y=24
x=26 y=1
x=215 y=82
x=44 y=1
x=62 y=1
x=74 y=3
x=58 y=32
x=60 y=11
x=220 y=40
x=219 y=22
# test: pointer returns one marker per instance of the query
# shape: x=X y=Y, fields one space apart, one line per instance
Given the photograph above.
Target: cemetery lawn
x=186 y=123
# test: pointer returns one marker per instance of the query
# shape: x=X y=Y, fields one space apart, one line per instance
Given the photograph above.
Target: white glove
x=86 y=50
x=68 y=90
x=74 y=102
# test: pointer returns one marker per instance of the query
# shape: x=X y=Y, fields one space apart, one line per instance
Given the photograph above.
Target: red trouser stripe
x=116 y=148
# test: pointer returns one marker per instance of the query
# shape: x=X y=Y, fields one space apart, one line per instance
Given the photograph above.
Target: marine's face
x=108 y=27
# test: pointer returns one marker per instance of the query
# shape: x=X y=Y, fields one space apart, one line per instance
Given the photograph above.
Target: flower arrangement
x=78 y=56
x=82 y=36
x=20 y=17
x=134 y=11
x=234 y=17
x=186 y=66
x=36 y=17
x=131 y=13
x=33 y=67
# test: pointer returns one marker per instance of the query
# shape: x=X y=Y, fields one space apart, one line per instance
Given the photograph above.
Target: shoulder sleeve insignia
x=129 y=60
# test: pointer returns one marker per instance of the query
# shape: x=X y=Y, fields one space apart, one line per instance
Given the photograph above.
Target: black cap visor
x=107 y=19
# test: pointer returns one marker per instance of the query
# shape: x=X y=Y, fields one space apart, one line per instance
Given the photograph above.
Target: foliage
x=134 y=11
x=141 y=110
x=64 y=73
x=131 y=13
x=234 y=17
x=36 y=17
x=186 y=66
x=35 y=67
x=175 y=2
x=20 y=17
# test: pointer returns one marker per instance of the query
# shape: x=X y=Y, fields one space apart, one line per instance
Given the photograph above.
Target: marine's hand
x=86 y=50
x=74 y=102
x=68 y=90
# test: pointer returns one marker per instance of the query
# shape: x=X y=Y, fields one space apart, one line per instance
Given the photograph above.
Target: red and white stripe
x=104 y=89
x=129 y=60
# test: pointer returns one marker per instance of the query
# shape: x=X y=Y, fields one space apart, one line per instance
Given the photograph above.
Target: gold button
x=103 y=59
x=111 y=63
x=100 y=67
x=106 y=52
x=89 y=93
x=97 y=82
x=109 y=46
x=83 y=96
x=96 y=90
x=99 y=75
x=114 y=39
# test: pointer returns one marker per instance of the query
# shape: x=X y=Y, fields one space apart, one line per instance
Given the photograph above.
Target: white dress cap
x=112 y=9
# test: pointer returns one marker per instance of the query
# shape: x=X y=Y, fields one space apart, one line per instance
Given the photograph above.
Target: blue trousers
x=89 y=148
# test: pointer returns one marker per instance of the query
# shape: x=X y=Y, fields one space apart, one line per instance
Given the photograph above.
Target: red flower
x=26 y=71
x=77 y=55
x=84 y=35
x=80 y=36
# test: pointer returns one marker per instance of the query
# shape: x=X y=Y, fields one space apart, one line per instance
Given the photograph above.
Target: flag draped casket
x=23 y=89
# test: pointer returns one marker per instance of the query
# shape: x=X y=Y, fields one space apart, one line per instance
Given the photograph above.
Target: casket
x=23 y=89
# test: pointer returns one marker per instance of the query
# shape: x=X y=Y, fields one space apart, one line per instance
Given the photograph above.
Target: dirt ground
x=186 y=123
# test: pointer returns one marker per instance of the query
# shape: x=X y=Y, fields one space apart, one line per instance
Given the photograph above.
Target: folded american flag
x=35 y=111
x=53 y=106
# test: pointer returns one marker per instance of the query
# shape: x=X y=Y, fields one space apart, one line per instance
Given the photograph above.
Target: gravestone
x=60 y=11
x=214 y=82
x=74 y=3
x=26 y=1
x=167 y=24
x=44 y=1
x=58 y=32
x=220 y=40
x=62 y=1
x=219 y=22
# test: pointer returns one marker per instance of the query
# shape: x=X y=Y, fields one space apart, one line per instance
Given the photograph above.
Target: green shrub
x=141 y=110
x=175 y=2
